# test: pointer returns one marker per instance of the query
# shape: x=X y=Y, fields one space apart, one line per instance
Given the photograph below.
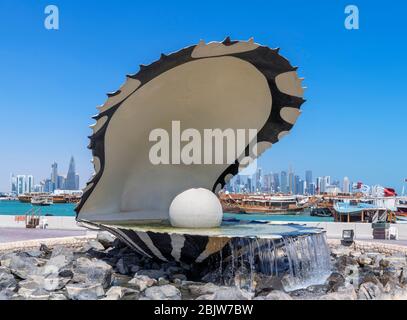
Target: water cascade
x=288 y=263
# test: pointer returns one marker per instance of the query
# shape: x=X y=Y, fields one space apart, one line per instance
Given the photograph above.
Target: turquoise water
x=279 y=217
x=67 y=209
x=19 y=208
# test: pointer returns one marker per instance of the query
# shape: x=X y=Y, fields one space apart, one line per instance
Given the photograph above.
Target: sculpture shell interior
x=229 y=84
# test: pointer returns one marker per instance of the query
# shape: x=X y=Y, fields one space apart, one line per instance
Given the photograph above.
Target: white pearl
x=196 y=208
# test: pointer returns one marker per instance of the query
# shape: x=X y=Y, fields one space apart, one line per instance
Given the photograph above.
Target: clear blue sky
x=353 y=123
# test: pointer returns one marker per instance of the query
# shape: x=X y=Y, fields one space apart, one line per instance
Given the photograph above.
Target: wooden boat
x=267 y=204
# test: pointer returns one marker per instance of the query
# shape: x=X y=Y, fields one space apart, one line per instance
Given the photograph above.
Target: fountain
x=235 y=88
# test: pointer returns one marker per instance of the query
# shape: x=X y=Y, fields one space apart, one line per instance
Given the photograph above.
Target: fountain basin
x=295 y=254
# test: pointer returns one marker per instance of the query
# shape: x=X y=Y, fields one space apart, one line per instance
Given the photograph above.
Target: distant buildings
x=346 y=185
x=72 y=179
x=283 y=182
x=20 y=184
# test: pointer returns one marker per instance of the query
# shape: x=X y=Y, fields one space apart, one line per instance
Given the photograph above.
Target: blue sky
x=353 y=123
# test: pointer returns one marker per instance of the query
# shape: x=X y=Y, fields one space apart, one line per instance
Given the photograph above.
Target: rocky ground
x=107 y=270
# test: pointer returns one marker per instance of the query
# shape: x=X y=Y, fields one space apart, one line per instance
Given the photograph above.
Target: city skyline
x=289 y=181
x=26 y=183
x=352 y=122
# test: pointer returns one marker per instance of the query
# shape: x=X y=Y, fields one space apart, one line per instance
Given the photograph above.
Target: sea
x=16 y=208
x=67 y=209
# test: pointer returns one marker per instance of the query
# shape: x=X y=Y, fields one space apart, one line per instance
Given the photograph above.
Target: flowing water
x=290 y=262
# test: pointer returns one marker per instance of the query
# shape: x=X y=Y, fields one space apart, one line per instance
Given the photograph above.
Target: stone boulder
x=7 y=281
x=106 y=239
x=85 y=291
x=141 y=282
x=117 y=293
x=202 y=289
x=346 y=292
x=369 y=291
x=232 y=293
x=166 y=292
x=20 y=265
x=92 y=272
x=275 y=295
x=335 y=281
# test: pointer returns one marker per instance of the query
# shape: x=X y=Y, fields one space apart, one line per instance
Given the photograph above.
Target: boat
x=267 y=204
x=321 y=212
x=41 y=201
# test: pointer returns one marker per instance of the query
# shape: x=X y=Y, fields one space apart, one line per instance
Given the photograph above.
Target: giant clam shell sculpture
x=229 y=84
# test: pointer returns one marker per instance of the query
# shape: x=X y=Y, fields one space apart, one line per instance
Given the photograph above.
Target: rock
x=37 y=294
x=122 y=267
x=92 y=271
x=166 y=292
x=345 y=261
x=57 y=296
x=346 y=292
x=371 y=277
x=364 y=260
x=93 y=245
x=28 y=287
x=35 y=253
x=152 y=273
x=141 y=282
x=7 y=281
x=340 y=251
x=334 y=281
x=117 y=293
x=120 y=280
x=106 y=239
x=179 y=276
x=20 y=265
x=203 y=289
x=59 y=262
x=275 y=295
x=369 y=291
x=63 y=251
x=384 y=263
x=355 y=254
x=85 y=291
x=134 y=269
x=44 y=248
x=205 y=297
x=6 y=294
x=162 y=281
x=231 y=293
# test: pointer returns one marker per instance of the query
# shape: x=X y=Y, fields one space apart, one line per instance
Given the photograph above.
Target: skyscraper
x=54 y=175
x=30 y=183
x=346 y=185
x=71 y=180
x=13 y=184
x=276 y=183
x=308 y=180
x=21 y=184
x=283 y=182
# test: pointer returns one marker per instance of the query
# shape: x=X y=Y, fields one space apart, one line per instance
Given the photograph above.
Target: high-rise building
x=346 y=185
x=54 y=175
x=13 y=184
x=283 y=182
x=308 y=180
x=30 y=183
x=61 y=183
x=291 y=182
x=276 y=183
x=71 y=179
x=21 y=184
